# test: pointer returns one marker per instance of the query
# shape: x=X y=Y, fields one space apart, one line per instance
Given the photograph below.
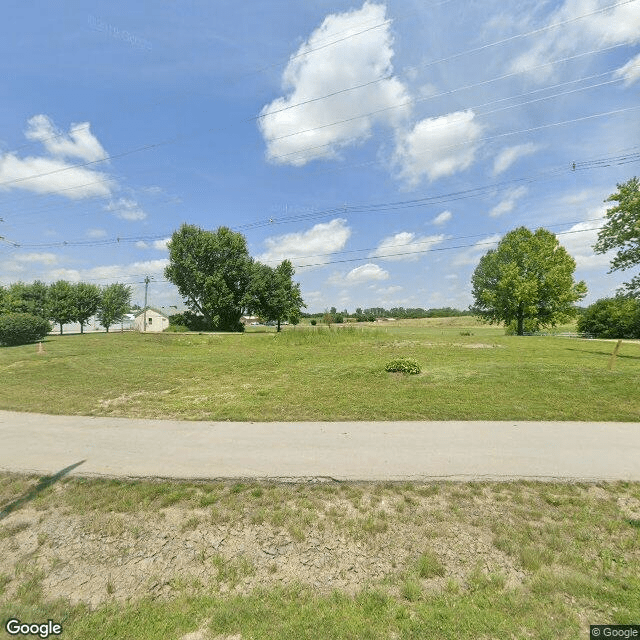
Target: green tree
x=529 y=276
x=212 y=271
x=612 y=318
x=86 y=298
x=61 y=303
x=621 y=231
x=115 y=301
x=26 y=298
x=272 y=294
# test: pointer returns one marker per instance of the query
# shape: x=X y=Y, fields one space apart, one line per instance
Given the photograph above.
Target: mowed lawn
x=469 y=371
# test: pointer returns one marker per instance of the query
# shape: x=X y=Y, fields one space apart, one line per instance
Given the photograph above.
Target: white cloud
x=55 y=172
x=406 y=244
x=509 y=155
x=580 y=244
x=141 y=244
x=472 y=255
x=438 y=147
x=630 y=71
x=96 y=233
x=389 y=290
x=620 y=25
x=44 y=258
x=161 y=245
x=307 y=247
x=78 y=143
x=365 y=273
x=126 y=209
x=20 y=262
x=508 y=203
x=441 y=218
x=353 y=61
x=55 y=175
x=111 y=273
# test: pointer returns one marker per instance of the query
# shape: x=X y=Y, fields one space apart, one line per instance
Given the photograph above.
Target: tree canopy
x=272 y=294
x=219 y=280
x=86 y=298
x=621 y=231
x=529 y=276
x=212 y=271
x=60 y=303
x=114 y=303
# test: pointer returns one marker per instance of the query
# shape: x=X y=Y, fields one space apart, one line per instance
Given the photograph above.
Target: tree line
x=64 y=302
x=373 y=313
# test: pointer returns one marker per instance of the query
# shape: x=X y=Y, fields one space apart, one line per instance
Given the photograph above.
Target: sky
x=382 y=147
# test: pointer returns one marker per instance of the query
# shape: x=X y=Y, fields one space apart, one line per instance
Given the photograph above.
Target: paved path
x=341 y=450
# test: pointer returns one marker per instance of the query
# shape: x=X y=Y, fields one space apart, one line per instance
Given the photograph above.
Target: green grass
x=508 y=560
x=320 y=374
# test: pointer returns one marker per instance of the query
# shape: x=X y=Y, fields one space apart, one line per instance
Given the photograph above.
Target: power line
x=180 y=137
x=433 y=249
x=496 y=136
x=437 y=95
x=355 y=139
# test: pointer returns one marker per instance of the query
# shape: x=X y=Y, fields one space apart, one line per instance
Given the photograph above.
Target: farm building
x=156 y=321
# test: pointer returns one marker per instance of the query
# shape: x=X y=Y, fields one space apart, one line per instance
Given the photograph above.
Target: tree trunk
x=520 y=324
x=82 y=327
x=278 y=324
x=60 y=328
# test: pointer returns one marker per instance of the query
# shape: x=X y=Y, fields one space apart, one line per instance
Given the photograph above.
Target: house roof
x=141 y=312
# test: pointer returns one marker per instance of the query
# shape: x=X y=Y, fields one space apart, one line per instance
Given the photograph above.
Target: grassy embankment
x=469 y=371
x=144 y=560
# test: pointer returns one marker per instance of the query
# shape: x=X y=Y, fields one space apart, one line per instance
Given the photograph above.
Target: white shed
x=155 y=320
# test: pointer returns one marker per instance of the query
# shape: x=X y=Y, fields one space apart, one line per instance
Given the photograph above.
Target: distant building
x=156 y=321
x=249 y=320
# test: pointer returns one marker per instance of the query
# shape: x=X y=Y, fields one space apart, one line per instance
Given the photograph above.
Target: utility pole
x=146 y=286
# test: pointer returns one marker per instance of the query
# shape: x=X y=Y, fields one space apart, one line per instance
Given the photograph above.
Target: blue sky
x=382 y=147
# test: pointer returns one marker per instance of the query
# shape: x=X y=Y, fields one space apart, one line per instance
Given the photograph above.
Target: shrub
x=176 y=328
x=22 y=328
x=403 y=365
x=314 y=323
x=190 y=320
x=612 y=318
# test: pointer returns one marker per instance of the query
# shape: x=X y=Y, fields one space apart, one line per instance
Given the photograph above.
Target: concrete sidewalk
x=369 y=451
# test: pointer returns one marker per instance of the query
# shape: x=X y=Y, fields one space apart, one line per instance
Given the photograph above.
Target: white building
x=155 y=320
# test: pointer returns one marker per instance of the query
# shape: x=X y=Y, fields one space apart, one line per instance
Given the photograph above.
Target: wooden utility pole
x=146 y=286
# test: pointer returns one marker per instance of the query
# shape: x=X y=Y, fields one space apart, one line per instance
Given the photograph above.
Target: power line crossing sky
x=383 y=147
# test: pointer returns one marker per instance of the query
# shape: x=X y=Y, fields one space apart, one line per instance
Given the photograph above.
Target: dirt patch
x=347 y=545
x=346 y=538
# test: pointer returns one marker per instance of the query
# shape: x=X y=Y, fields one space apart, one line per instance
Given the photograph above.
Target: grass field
x=469 y=371
x=210 y=561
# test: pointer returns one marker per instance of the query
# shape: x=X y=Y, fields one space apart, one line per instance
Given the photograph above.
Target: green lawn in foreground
x=320 y=374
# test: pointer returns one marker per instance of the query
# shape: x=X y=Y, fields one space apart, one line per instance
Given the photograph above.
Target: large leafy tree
x=529 y=276
x=86 y=298
x=621 y=231
x=114 y=303
x=272 y=294
x=61 y=303
x=212 y=271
